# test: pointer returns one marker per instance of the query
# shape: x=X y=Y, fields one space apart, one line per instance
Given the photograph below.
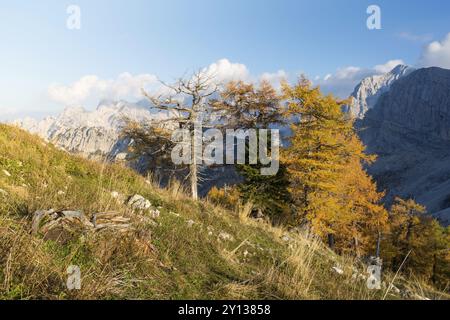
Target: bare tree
x=187 y=101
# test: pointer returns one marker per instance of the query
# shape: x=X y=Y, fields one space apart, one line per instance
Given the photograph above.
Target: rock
x=338 y=270
x=190 y=223
x=225 y=236
x=367 y=93
x=38 y=216
x=409 y=129
x=92 y=134
x=61 y=226
x=210 y=230
x=122 y=156
x=115 y=194
x=359 y=276
x=110 y=220
x=138 y=202
x=6 y=172
x=395 y=289
x=155 y=214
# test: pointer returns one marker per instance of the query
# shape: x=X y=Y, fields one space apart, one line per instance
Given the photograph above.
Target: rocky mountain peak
x=409 y=129
x=367 y=93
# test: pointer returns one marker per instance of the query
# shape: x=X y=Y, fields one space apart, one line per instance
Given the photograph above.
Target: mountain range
x=93 y=134
x=402 y=116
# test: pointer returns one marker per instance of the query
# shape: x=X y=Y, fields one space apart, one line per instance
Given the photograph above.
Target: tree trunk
x=331 y=241
x=193 y=170
x=356 y=246
x=378 y=245
x=194 y=181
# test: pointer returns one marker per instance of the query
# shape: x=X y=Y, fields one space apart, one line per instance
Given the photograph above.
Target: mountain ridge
x=369 y=90
x=409 y=130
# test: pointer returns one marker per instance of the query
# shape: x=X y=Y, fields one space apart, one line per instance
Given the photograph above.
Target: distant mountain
x=92 y=134
x=367 y=93
x=96 y=135
x=409 y=129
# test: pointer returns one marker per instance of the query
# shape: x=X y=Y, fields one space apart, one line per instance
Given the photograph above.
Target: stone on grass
x=338 y=270
x=62 y=226
x=138 y=202
x=6 y=172
x=225 y=237
x=155 y=214
x=115 y=194
x=190 y=223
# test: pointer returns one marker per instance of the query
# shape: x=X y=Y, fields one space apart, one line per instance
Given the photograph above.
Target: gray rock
x=225 y=236
x=138 y=202
x=409 y=130
x=367 y=93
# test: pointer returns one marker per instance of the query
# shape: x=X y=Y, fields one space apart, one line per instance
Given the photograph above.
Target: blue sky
x=168 y=38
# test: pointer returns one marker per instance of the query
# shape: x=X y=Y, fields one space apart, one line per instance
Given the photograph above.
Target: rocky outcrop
x=367 y=93
x=409 y=130
x=62 y=226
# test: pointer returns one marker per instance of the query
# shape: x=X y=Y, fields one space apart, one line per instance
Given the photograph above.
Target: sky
x=122 y=46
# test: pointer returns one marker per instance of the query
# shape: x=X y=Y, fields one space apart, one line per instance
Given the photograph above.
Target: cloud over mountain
x=344 y=80
x=90 y=89
x=437 y=54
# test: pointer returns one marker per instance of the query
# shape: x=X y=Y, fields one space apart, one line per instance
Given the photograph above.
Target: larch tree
x=332 y=192
x=244 y=106
x=419 y=240
x=188 y=102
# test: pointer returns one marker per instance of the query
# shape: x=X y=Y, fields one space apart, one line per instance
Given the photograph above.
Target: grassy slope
x=169 y=260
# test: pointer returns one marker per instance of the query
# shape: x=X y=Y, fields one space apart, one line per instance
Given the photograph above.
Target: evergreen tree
x=246 y=106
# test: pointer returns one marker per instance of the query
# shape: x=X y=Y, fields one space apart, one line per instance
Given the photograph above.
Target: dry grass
x=194 y=250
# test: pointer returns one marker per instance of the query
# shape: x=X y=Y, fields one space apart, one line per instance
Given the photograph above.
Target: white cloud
x=224 y=71
x=275 y=78
x=388 y=66
x=344 y=80
x=91 y=88
x=437 y=54
x=347 y=72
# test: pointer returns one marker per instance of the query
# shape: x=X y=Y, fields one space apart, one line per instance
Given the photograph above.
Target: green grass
x=166 y=260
